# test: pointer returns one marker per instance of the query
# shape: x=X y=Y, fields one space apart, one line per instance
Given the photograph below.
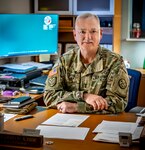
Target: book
x=40 y=66
x=20 y=100
x=18 y=68
x=6 y=105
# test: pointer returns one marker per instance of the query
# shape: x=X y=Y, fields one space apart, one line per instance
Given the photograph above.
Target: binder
x=18 y=68
x=18 y=105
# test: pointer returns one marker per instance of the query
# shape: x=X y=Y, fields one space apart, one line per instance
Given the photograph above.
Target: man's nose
x=88 y=35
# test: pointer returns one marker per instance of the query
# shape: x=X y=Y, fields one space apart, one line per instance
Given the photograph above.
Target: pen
x=23 y=117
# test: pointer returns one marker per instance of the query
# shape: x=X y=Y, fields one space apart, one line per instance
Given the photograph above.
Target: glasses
x=92 y=32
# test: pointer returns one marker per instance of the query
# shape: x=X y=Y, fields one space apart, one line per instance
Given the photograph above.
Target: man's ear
x=101 y=33
x=74 y=34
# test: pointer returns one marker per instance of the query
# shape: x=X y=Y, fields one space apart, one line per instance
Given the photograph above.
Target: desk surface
x=41 y=114
x=142 y=72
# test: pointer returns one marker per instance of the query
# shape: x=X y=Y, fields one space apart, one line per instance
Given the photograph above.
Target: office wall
x=133 y=51
x=15 y=6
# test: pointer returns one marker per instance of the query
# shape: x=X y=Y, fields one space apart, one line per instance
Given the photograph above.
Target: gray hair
x=87 y=15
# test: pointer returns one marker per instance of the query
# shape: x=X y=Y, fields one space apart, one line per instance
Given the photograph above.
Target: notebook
x=18 y=105
x=39 y=80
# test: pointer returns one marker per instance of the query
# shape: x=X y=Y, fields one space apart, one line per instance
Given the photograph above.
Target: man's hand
x=98 y=102
x=67 y=107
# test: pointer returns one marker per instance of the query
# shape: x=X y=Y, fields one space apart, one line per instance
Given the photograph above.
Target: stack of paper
x=38 y=65
x=63 y=132
x=18 y=68
x=108 y=131
x=64 y=126
x=70 y=120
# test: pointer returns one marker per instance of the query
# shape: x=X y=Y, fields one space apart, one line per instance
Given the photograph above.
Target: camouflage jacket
x=105 y=76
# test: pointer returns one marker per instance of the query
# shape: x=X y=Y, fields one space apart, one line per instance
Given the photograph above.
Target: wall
x=15 y=6
x=133 y=51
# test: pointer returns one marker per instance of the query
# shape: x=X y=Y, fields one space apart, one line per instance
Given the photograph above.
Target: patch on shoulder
x=122 y=83
x=52 y=81
x=52 y=72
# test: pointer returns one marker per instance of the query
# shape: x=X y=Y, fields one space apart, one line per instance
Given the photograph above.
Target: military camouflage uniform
x=105 y=76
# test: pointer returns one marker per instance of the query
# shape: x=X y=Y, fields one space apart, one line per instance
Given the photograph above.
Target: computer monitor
x=28 y=34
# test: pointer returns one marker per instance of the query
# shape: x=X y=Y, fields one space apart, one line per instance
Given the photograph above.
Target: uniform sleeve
x=117 y=87
x=55 y=90
x=116 y=91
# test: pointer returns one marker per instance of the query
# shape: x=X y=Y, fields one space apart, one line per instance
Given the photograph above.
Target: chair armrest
x=137 y=109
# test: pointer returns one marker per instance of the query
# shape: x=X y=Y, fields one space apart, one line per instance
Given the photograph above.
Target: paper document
x=116 y=127
x=63 y=132
x=114 y=138
x=71 y=120
x=8 y=116
x=38 y=65
x=19 y=68
x=139 y=114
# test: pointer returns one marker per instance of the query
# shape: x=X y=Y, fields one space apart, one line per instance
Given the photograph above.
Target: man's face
x=88 y=34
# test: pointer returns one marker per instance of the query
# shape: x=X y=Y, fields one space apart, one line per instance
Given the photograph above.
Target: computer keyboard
x=39 y=80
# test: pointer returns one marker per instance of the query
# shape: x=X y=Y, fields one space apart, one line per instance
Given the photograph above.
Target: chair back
x=135 y=77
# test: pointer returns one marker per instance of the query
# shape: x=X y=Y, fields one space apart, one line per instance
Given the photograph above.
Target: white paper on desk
x=114 y=138
x=139 y=114
x=71 y=120
x=8 y=116
x=77 y=133
x=107 y=137
x=115 y=127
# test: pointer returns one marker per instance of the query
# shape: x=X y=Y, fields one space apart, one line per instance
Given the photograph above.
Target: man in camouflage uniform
x=88 y=79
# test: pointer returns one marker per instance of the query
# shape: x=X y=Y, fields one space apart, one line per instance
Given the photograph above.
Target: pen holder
x=1 y=122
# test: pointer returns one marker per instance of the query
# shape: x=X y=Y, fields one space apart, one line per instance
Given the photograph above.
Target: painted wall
x=134 y=52
x=14 y=6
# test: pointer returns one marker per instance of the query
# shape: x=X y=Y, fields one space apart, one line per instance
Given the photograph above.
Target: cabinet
x=74 y=7
x=104 y=7
x=63 y=7
x=66 y=23
x=136 y=15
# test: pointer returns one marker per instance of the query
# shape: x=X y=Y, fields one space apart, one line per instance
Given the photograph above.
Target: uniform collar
x=80 y=65
x=95 y=66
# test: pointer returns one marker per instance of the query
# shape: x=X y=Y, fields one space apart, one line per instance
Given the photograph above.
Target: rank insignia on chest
x=52 y=81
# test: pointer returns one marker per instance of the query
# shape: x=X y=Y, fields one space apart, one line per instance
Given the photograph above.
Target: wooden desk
x=41 y=114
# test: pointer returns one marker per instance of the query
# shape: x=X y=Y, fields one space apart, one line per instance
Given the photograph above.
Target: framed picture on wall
x=70 y=46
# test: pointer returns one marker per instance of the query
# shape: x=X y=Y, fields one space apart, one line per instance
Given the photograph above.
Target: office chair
x=135 y=77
